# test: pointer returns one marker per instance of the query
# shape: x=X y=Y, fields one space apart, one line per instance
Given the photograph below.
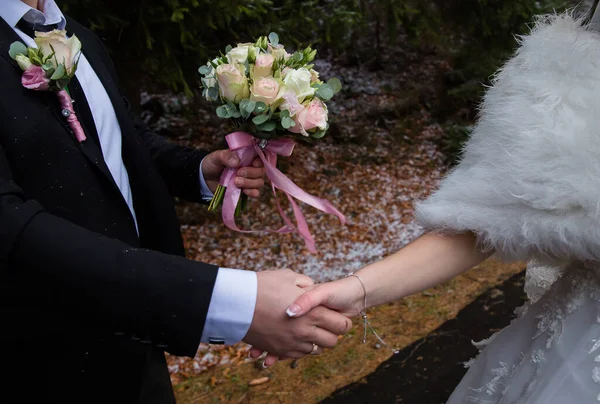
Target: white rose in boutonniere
x=66 y=51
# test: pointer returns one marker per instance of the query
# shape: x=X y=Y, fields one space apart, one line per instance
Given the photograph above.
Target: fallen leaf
x=258 y=382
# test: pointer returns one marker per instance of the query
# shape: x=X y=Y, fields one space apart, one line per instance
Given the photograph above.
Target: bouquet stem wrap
x=66 y=103
x=247 y=148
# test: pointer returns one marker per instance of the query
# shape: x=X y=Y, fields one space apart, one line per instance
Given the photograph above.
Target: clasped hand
x=317 y=316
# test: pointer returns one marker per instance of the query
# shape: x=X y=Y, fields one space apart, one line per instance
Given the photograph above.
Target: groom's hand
x=272 y=330
x=249 y=179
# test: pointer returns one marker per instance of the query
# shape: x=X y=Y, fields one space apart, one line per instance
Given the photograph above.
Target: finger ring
x=314 y=349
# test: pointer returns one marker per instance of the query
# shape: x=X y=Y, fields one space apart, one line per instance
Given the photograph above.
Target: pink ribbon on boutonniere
x=247 y=148
x=66 y=103
x=34 y=79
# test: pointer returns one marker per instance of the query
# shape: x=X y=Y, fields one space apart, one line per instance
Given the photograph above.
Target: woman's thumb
x=306 y=302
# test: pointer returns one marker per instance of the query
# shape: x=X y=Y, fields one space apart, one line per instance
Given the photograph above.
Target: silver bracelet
x=363 y=314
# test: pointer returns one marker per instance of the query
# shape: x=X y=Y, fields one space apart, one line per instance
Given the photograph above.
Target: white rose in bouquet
x=233 y=84
x=265 y=89
x=263 y=66
x=299 y=81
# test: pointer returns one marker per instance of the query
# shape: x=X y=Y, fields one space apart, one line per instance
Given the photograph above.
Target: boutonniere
x=50 y=67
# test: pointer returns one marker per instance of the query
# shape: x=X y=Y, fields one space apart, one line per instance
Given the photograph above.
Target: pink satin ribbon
x=66 y=103
x=247 y=148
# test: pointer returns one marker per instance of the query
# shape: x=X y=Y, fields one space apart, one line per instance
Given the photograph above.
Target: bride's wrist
x=358 y=291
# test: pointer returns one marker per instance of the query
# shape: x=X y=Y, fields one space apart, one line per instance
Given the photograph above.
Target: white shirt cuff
x=231 y=307
x=204 y=189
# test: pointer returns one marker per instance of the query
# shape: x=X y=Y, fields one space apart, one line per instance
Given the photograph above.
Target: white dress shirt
x=234 y=295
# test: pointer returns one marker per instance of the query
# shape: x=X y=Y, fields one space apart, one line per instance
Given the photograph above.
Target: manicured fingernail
x=264 y=365
x=234 y=161
x=293 y=310
x=239 y=182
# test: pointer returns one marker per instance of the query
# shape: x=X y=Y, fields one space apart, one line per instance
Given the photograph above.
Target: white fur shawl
x=529 y=180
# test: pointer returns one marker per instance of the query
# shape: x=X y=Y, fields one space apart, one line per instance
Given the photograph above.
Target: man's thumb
x=222 y=158
x=306 y=303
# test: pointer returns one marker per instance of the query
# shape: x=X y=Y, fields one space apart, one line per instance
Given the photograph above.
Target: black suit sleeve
x=178 y=165
x=162 y=298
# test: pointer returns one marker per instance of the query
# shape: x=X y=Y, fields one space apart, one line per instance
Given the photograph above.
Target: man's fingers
x=251 y=172
x=270 y=360
x=307 y=302
x=227 y=158
x=257 y=163
x=292 y=355
x=248 y=183
x=255 y=353
x=303 y=281
x=252 y=193
x=330 y=320
x=323 y=339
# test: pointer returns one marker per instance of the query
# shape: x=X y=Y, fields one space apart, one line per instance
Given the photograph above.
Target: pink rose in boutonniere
x=51 y=66
x=34 y=78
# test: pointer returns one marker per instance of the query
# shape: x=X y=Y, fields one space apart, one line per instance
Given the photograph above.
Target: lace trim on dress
x=581 y=282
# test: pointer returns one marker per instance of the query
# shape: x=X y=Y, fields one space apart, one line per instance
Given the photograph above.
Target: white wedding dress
x=550 y=354
x=529 y=186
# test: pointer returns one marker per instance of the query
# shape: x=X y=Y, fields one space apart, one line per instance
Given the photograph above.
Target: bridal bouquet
x=276 y=96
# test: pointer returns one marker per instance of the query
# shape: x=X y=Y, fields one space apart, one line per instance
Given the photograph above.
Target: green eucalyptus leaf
x=59 y=73
x=287 y=123
x=297 y=56
x=325 y=92
x=244 y=103
x=335 y=84
x=63 y=83
x=245 y=114
x=260 y=107
x=284 y=114
x=228 y=49
x=260 y=119
x=213 y=93
x=223 y=112
x=17 y=48
x=274 y=39
x=251 y=106
x=267 y=126
x=204 y=70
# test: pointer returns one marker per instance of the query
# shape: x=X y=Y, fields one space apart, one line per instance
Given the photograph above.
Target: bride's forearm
x=428 y=261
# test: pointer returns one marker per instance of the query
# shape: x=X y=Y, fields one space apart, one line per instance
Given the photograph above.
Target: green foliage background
x=168 y=39
x=159 y=44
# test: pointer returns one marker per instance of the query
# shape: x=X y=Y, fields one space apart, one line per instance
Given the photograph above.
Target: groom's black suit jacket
x=87 y=308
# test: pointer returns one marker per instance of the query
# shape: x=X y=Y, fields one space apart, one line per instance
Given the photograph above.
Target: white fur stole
x=528 y=183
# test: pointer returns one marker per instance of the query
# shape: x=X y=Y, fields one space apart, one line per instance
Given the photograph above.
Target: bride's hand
x=345 y=296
